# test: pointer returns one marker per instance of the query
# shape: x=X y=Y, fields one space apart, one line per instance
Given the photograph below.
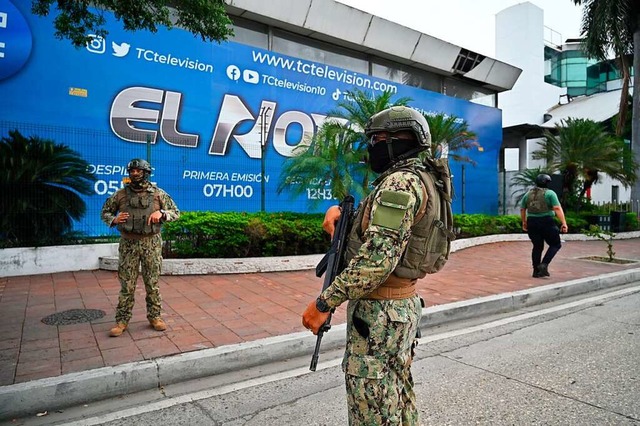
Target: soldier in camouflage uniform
x=379 y=280
x=138 y=210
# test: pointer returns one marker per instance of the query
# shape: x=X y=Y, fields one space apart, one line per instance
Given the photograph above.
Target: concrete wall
x=47 y=260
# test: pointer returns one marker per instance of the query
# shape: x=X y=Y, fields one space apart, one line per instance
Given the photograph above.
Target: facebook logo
x=233 y=72
x=15 y=40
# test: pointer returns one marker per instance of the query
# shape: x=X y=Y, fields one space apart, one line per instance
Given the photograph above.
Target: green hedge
x=229 y=235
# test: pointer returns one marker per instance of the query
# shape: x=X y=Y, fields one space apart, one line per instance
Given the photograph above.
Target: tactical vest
x=139 y=205
x=536 y=202
x=420 y=257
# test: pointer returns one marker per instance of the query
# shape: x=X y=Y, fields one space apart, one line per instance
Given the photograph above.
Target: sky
x=469 y=23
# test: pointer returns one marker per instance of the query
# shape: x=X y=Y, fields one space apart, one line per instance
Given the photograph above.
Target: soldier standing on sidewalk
x=138 y=210
x=384 y=309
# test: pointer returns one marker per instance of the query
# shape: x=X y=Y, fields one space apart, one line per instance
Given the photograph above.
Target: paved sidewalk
x=216 y=311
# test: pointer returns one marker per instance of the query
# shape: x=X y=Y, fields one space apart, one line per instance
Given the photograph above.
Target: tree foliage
x=614 y=26
x=40 y=183
x=525 y=180
x=335 y=156
x=75 y=20
x=453 y=134
x=581 y=149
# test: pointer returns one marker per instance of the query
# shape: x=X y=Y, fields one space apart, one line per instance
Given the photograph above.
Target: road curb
x=55 y=393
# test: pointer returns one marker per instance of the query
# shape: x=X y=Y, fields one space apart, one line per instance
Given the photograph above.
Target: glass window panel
x=250 y=33
x=407 y=75
x=463 y=90
x=311 y=50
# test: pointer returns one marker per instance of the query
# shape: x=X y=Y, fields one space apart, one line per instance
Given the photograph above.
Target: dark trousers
x=543 y=230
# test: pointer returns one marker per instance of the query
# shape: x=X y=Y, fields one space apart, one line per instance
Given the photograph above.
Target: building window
x=407 y=75
x=311 y=50
x=250 y=33
x=472 y=93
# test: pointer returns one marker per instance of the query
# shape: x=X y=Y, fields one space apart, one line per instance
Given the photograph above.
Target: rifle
x=333 y=263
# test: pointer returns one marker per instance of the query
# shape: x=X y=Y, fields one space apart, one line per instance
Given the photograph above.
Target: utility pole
x=264 y=111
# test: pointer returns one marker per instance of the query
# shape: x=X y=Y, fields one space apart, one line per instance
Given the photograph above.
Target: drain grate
x=73 y=316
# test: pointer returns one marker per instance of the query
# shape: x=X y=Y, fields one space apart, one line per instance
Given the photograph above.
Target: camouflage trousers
x=381 y=335
x=135 y=255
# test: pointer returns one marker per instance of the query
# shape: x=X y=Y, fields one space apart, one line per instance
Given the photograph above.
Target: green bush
x=228 y=235
x=631 y=221
x=476 y=225
x=577 y=224
x=231 y=235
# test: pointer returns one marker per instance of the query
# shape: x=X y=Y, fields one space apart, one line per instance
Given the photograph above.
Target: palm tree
x=614 y=25
x=329 y=159
x=40 y=183
x=580 y=149
x=452 y=134
x=524 y=180
x=335 y=156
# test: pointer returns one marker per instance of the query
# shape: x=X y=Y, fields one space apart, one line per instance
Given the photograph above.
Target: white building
x=557 y=82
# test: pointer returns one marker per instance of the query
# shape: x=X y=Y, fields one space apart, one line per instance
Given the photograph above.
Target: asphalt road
x=573 y=362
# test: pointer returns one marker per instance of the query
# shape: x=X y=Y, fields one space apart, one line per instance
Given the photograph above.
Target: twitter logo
x=120 y=50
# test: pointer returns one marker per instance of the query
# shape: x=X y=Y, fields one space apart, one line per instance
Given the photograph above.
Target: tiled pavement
x=204 y=311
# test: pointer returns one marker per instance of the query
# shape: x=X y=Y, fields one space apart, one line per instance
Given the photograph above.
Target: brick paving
x=205 y=311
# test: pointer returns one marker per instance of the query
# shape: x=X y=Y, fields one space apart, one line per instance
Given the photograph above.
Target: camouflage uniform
x=377 y=367
x=139 y=251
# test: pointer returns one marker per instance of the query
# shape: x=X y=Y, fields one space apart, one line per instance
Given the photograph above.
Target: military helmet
x=139 y=182
x=398 y=118
x=542 y=180
x=138 y=163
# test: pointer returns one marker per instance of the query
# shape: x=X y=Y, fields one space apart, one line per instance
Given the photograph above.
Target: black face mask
x=379 y=158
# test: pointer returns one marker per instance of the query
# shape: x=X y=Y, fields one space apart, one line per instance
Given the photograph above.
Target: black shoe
x=536 y=273
x=543 y=270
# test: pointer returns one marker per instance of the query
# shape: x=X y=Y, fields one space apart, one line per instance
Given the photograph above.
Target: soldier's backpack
x=438 y=213
x=536 y=203
x=432 y=232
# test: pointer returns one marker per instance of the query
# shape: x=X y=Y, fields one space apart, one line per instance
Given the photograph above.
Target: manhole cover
x=73 y=316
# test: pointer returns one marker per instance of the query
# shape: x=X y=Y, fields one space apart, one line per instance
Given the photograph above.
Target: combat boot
x=158 y=324
x=118 y=329
x=543 y=270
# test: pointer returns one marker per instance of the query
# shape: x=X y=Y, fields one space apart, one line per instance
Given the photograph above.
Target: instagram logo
x=97 y=44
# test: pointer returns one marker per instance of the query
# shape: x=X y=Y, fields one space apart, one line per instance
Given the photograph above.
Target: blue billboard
x=210 y=117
